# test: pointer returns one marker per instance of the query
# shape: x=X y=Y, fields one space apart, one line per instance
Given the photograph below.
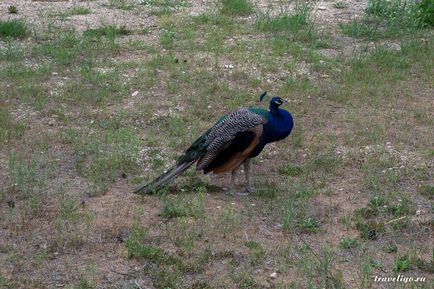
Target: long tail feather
x=163 y=179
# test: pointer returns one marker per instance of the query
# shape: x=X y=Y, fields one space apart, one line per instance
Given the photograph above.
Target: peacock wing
x=223 y=133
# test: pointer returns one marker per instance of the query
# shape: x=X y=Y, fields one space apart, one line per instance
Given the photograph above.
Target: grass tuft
x=107 y=30
x=13 y=28
x=285 y=21
x=237 y=7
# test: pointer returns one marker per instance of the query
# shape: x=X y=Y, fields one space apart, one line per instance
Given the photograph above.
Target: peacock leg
x=231 y=190
x=249 y=188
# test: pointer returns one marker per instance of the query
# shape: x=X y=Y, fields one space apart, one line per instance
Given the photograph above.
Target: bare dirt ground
x=349 y=154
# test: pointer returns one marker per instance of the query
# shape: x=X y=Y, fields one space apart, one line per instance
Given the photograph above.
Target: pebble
x=135 y=93
x=273 y=275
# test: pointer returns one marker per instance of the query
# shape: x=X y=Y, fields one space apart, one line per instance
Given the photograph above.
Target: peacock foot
x=247 y=191
x=229 y=192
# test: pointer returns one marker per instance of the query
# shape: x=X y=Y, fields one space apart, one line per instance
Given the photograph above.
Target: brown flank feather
x=240 y=157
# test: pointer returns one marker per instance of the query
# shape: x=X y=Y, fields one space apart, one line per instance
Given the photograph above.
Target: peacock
x=234 y=140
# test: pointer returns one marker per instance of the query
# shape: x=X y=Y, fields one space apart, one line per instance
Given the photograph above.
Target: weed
x=340 y=5
x=390 y=248
x=402 y=263
x=13 y=28
x=365 y=276
x=285 y=21
x=370 y=230
x=289 y=215
x=258 y=253
x=347 y=243
x=403 y=207
x=12 y=9
x=290 y=170
x=347 y=220
x=84 y=283
x=109 y=31
x=75 y=10
x=237 y=7
x=167 y=38
x=173 y=210
x=308 y=224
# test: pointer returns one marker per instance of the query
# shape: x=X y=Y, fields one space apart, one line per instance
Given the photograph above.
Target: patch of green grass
x=12 y=52
x=290 y=170
x=340 y=5
x=425 y=11
x=13 y=28
x=347 y=243
x=24 y=177
x=9 y=129
x=110 y=31
x=103 y=157
x=427 y=190
x=258 y=253
x=64 y=48
x=360 y=29
x=84 y=283
x=293 y=209
x=71 y=224
x=370 y=70
x=120 y=4
x=389 y=19
x=404 y=14
x=75 y=10
x=285 y=21
x=167 y=38
x=301 y=28
x=173 y=210
x=237 y=7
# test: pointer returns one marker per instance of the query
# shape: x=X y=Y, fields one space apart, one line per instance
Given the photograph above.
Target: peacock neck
x=279 y=125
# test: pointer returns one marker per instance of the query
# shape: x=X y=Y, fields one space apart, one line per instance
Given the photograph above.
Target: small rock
x=135 y=93
x=273 y=275
x=322 y=8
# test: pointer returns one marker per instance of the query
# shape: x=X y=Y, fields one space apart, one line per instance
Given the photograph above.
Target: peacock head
x=275 y=102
